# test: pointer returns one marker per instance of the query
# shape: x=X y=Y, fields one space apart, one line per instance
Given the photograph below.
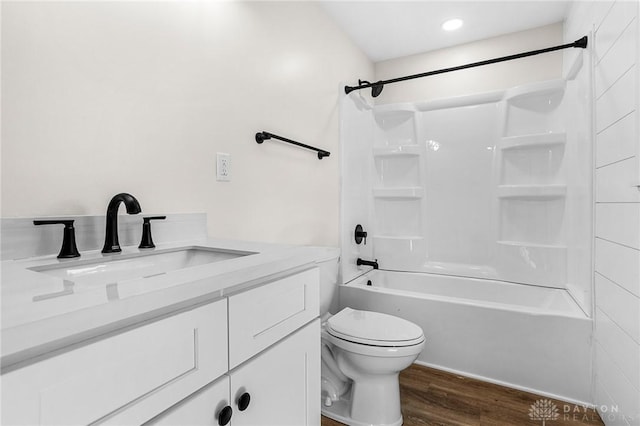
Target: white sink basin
x=121 y=267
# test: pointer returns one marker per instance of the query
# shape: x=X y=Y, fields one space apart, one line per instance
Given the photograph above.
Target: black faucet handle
x=146 y=219
x=147 y=241
x=69 y=248
x=360 y=234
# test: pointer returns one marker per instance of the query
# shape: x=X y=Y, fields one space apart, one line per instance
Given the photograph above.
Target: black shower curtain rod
x=376 y=88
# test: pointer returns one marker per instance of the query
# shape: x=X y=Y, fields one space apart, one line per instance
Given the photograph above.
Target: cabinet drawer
x=123 y=379
x=264 y=315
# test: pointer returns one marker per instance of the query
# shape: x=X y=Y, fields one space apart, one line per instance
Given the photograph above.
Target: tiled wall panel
x=612 y=24
x=616 y=48
x=618 y=396
x=624 y=351
x=619 y=223
x=619 y=305
x=617 y=142
x=615 y=182
x=619 y=264
x=617 y=101
x=617 y=60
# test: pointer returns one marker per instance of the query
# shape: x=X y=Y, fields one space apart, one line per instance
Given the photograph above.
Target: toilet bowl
x=362 y=355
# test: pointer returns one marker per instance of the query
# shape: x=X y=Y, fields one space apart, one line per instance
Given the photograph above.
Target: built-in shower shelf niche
x=398 y=167
x=542 y=97
x=541 y=140
x=399 y=193
x=533 y=108
x=532 y=192
x=532 y=165
x=398 y=151
x=396 y=126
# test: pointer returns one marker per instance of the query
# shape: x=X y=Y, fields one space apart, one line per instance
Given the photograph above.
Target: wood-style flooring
x=434 y=397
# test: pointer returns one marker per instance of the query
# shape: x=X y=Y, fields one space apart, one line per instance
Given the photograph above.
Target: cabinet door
x=202 y=408
x=283 y=383
x=126 y=378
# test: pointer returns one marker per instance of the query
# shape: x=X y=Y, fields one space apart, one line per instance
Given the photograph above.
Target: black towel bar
x=263 y=136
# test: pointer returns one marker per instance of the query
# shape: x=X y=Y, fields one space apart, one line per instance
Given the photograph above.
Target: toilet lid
x=373 y=328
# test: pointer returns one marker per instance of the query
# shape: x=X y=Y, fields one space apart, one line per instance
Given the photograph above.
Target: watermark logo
x=543 y=409
x=546 y=410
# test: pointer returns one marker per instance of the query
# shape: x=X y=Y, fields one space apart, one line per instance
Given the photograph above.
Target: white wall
x=101 y=98
x=617 y=203
x=474 y=80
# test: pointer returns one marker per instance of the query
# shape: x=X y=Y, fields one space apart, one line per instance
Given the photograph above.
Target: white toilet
x=362 y=354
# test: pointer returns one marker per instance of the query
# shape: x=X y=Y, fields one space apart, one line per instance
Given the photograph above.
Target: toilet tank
x=328 y=261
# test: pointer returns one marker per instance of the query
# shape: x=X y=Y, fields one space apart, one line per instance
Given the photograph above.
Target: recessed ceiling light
x=452 y=24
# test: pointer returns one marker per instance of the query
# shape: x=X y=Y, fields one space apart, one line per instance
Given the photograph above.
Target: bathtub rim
x=576 y=310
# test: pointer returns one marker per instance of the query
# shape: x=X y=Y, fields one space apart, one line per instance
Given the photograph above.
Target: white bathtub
x=527 y=337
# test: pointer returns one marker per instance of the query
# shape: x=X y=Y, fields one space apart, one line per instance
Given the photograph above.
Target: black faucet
x=367 y=263
x=111 y=243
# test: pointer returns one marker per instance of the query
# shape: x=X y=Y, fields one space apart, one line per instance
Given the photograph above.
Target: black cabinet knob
x=224 y=417
x=243 y=401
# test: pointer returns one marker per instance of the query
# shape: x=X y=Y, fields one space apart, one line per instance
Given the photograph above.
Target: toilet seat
x=373 y=329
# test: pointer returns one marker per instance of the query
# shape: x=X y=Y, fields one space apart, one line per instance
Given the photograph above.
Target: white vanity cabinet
x=280 y=386
x=283 y=381
x=185 y=368
x=274 y=358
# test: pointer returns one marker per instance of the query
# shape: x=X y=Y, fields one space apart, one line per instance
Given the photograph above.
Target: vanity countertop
x=43 y=313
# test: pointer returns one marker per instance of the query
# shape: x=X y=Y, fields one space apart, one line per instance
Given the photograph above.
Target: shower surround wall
x=493 y=187
x=486 y=186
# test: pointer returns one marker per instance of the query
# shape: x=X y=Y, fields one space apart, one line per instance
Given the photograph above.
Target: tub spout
x=374 y=263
